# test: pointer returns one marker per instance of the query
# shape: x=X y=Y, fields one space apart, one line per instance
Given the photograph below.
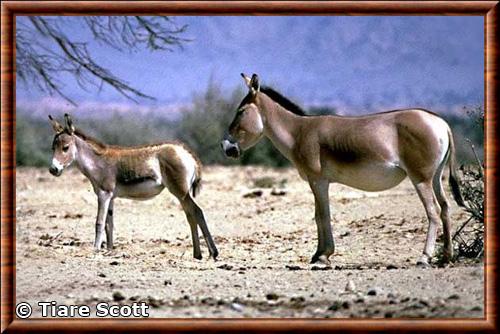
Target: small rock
x=114 y=263
x=372 y=292
x=154 y=302
x=345 y=234
x=225 y=267
x=424 y=302
x=321 y=268
x=388 y=315
x=278 y=192
x=237 y=307
x=253 y=194
x=297 y=300
x=272 y=296
x=293 y=267
x=335 y=306
x=359 y=300
x=476 y=308
x=167 y=282
x=453 y=297
x=391 y=266
x=346 y=305
x=118 y=296
x=350 y=287
x=101 y=275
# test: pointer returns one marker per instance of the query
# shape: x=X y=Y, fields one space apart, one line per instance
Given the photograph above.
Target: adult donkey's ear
x=69 y=124
x=58 y=128
x=247 y=79
x=254 y=84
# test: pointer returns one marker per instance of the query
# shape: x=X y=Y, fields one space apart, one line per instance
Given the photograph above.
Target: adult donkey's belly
x=374 y=176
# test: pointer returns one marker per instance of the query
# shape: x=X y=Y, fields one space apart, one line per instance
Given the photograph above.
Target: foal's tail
x=455 y=188
x=196 y=184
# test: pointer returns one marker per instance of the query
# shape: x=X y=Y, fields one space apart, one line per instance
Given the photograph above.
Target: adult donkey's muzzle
x=230 y=147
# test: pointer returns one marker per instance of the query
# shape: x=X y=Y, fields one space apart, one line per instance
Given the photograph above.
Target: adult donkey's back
x=372 y=153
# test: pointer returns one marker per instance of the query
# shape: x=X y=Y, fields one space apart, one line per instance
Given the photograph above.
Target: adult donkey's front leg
x=326 y=246
x=103 y=200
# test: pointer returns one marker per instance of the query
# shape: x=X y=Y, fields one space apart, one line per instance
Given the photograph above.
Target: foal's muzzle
x=230 y=147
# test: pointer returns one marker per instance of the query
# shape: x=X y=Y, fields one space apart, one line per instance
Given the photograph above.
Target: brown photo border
x=9 y=9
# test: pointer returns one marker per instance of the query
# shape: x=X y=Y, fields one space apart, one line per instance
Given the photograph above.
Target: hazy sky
x=353 y=63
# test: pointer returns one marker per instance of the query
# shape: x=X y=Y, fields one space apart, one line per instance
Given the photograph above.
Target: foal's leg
x=196 y=218
x=433 y=210
x=445 y=217
x=109 y=226
x=326 y=246
x=103 y=200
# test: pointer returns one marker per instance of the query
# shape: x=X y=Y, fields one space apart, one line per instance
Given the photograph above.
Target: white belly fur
x=140 y=191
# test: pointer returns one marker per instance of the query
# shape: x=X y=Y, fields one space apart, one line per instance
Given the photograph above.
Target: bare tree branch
x=43 y=51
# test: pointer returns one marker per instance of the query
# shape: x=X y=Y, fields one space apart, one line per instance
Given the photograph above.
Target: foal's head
x=63 y=145
x=247 y=127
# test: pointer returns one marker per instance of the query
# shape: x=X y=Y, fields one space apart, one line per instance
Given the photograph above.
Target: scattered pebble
x=350 y=287
x=278 y=192
x=372 y=292
x=118 y=296
x=293 y=267
x=114 y=263
x=272 y=296
x=454 y=297
x=253 y=194
x=237 y=307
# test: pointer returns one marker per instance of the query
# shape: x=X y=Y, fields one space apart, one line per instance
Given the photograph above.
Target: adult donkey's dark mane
x=283 y=101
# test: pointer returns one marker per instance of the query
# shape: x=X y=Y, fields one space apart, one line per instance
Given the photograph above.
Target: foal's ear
x=69 y=124
x=58 y=128
x=254 y=84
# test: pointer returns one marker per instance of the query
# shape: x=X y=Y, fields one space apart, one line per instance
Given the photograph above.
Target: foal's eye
x=65 y=148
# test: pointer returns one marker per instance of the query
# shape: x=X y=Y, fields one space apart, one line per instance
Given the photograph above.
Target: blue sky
x=357 y=64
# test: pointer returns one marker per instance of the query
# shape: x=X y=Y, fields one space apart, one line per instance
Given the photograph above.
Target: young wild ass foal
x=372 y=153
x=139 y=173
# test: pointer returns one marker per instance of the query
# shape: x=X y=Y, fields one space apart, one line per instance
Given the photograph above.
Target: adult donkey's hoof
x=320 y=258
x=423 y=262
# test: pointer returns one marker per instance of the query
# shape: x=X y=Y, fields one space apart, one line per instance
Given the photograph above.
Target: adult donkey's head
x=63 y=145
x=247 y=126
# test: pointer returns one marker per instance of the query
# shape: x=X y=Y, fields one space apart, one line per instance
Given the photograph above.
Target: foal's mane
x=98 y=146
x=283 y=101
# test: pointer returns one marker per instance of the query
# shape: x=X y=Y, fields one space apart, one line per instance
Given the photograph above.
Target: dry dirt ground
x=265 y=243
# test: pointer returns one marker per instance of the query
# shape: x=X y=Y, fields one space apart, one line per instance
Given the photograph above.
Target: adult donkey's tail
x=455 y=187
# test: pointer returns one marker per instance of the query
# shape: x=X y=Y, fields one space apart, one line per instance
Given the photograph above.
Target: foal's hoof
x=214 y=254
x=197 y=256
x=321 y=259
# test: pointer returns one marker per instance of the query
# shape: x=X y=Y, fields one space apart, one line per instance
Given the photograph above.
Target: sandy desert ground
x=265 y=244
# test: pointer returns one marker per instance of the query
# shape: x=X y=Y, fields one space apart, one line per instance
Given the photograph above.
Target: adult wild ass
x=372 y=153
x=138 y=173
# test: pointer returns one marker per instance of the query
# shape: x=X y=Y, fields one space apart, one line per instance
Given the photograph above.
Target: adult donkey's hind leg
x=445 y=213
x=433 y=210
x=196 y=218
x=326 y=245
